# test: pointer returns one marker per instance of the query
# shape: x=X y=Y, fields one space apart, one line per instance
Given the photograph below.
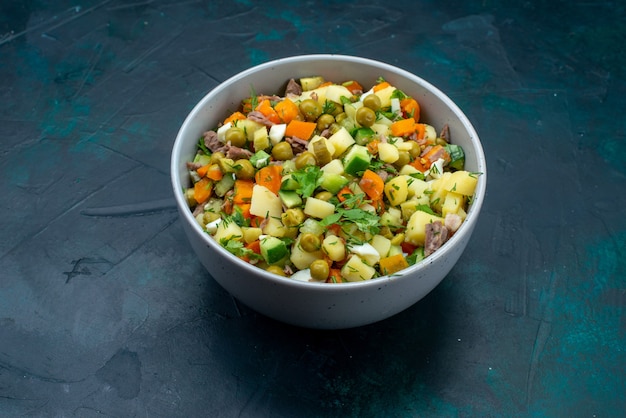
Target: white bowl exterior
x=321 y=305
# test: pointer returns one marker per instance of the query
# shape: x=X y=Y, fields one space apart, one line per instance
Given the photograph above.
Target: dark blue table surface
x=105 y=311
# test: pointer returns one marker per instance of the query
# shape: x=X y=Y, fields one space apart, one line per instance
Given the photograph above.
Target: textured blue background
x=105 y=311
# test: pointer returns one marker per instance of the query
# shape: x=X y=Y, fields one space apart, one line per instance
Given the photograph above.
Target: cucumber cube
x=356 y=160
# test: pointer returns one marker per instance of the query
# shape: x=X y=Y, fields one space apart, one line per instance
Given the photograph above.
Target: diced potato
x=317 y=208
x=265 y=203
x=319 y=93
x=462 y=182
x=261 y=140
x=312 y=226
x=385 y=95
x=303 y=259
x=275 y=228
x=310 y=83
x=367 y=252
x=356 y=270
x=250 y=127
x=388 y=153
x=397 y=190
x=334 y=92
x=382 y=245
x=341 y=140
x=408 y=208
x=430 y=133
x=334 y=167
x=416 y=227
x=251 y=234
x=334 y=248
x=228 y=231
x=381 y=129
x=453 y=202
x=392 y=217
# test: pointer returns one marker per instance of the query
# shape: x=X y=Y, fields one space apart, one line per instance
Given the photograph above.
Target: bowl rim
x=469 y=222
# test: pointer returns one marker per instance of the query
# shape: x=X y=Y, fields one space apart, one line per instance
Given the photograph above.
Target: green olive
x=403 y=159
x=441 y=141
x=216 y=157
x=292 y=217
x=365 y=116
x=311 y=109
x=282 y=151
x=310 y=242
x=236 y=136
x=325 y=196
x=372 y=101
x=324 y=121
x=336 y=109
x=305 y=159
x=275 y=270
x=244 y=169
x=319 y=270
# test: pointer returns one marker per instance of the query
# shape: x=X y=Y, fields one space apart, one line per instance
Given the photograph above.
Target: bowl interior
x=271 y=78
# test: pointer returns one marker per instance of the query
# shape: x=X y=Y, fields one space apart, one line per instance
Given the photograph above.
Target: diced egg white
x=367 y=252
x=211 y=227
x=302 y=275
x=395 y=106
x=221 y=131
x=436 y=170
x=277 y=133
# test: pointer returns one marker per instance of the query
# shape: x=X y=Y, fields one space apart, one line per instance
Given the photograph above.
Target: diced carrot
x=403 y=127
x=417 y=164
x=436 y=152
x=270 y=176
x=265 y=107
x=202 y=170
x=410 y=108
x=254 y=246
x=372 y=184
x=244 y=208
x=392 y=264
x=344 y=194
x=242 y=191
x=380 y=86
x=334 y=276
x=353 y=86
x=335 y=228
x=287 y=110
x=214 y=172
x=420 y=128
x=202 y=190
x=325 y=84
x=235 y=116
x=372 y=146
x=300 y=129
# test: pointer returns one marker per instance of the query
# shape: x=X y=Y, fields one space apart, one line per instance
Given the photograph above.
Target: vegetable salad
x=330 y=182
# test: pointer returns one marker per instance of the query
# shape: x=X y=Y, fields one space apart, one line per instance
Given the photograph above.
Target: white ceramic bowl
x=322 y=305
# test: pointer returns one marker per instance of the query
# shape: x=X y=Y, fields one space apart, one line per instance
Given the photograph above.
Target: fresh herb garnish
x=308 y=179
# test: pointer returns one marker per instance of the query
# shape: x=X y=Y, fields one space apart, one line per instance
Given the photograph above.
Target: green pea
x=236 y=136
x=293 y=217
x=244 y=169
x=365 y=116
x=310 y=242
x=276 y=270
x=311 y=109
x=319 y=270
x=372 y=101
x=282 y=151
x=324 y=121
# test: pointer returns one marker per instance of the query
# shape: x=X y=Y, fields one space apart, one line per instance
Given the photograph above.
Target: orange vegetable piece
x=344 y=194
x=430 y=157
x=392 y=264
x=353 y=86
x=235 y=116
x=300 y=129
x=286 y=110
x=410 y=108
x=417 y=164
x=372 y=146
x=214 y=172
x=373 y=185
x=420 y=128
x=326 y=83
x=265 y=107
x=270 y=176
x=242 y=191
x=334 y=276
x=403 y=127
x=202 y=190
x=380 y=86
x=203 y=170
